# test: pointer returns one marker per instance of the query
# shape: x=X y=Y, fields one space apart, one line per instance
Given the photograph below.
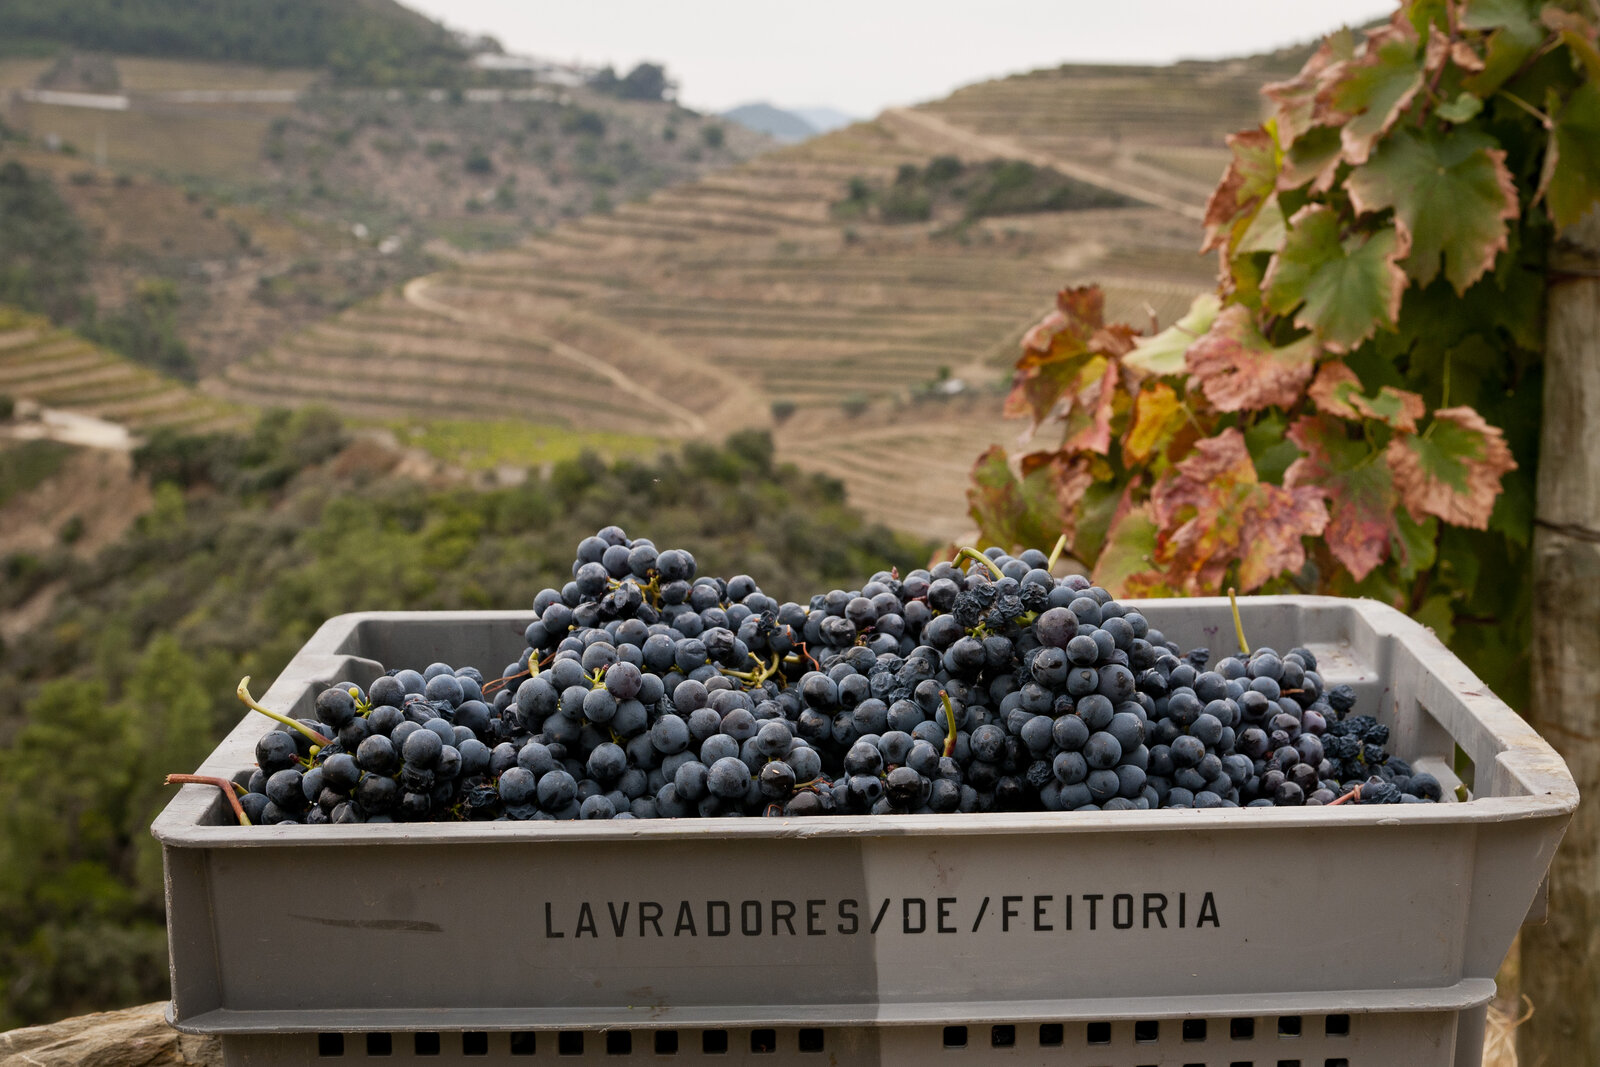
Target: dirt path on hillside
x=928 y=124
x=416 y=294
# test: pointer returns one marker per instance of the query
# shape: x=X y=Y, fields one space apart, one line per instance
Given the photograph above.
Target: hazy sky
x=864 y=55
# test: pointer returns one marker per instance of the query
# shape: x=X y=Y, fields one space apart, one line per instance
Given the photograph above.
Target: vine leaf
x=1578 y=34
x=1376 y=88
x=1515 y=36
x=1213 y=511
x=1337 y=391
x=1450 y=191
x=1032 y=510
x=1157 y=417
x=1162 y=354
x=1345 y=288
x=1056 y=354
x=1357 y=486
x=1127 y=563
x=1314 y=159
x=1250 y=178
x=1443 y=49
x=1266 y=230
x=1570 y=182
x=1296 y=99
x=1453 y=470
x=1240 y=370
x=1462 y=109
x=1088 y=413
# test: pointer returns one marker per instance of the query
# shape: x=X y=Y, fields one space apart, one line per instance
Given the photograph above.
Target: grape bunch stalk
x=982 y=684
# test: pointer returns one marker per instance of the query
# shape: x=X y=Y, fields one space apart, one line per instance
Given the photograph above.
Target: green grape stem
x=243 y=693
x=1055 y=553
x=978 y=557
x=1238 y=624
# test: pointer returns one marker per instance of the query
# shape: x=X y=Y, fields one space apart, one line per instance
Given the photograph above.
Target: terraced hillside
x=58 y=369
x=741 y=300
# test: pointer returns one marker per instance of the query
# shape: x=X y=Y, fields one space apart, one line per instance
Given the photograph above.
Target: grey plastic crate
x=883 y=931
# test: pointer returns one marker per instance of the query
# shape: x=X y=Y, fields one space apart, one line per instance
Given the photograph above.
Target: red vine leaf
x=1344 y=287
x=1250 y=178
x=1088 y=414
x=1055 y=354
x=1240 y=370
x=1453 y=471
x=1031 y=511
x=1331 y=390
x=1374 y=89
x=1442 y=49
x=1337 y=391
x=1399 y=408
x=1357 y=486
x=1450 y=191
x=1213 y=511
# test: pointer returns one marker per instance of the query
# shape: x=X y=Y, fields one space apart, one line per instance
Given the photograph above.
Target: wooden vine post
x=1561 y=960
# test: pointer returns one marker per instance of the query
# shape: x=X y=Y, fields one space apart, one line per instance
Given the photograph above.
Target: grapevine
x=1355 y=410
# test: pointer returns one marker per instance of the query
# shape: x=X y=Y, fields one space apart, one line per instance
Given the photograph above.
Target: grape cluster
x=649 y=691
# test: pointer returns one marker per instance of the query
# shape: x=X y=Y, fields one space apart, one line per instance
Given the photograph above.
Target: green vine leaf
x=1570 y=182
x=1312 y=161
x=1213 y=512
x=1127 y=564
x=1357 y=486
x=1376 y=88
x=1464 y=108
x=1450 y=191
x=1163 y=353
x=1578 y=34
x=1239 y=370
x=1453 y=471
x=1345 y=289
x=1514 y=38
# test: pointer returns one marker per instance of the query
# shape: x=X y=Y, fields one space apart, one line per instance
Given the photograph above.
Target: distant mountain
x=824 y=119
x=780 y=125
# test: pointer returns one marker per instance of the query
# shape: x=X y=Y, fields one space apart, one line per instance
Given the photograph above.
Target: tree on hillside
x=43 y=249
x=646 y=81
x=373 y=42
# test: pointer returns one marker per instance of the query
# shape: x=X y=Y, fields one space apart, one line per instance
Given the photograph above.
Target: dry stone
x=132 y=1037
